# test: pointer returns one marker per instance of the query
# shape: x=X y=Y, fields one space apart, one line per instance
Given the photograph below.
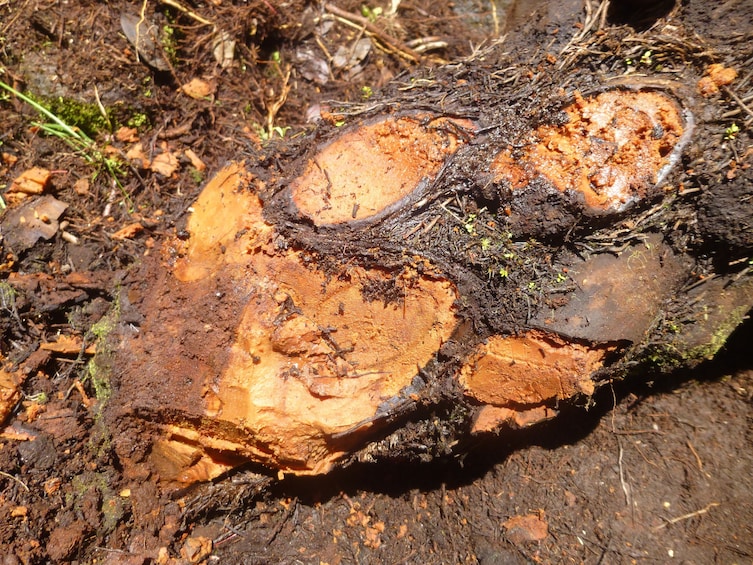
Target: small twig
x=20 y=11
x=495 y=18
x=19 y=481
x=275 y=105
x=390 y=42
x=739 y=100
x=142 y=20
x=620 y=452
x=291 y=509
x=188 y=12
x=85 y=400
x=695 y=453
x=636 y=432
x=687 y=516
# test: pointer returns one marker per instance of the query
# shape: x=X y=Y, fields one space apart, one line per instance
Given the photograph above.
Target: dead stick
x=383 y=37
x=737 y=99
x=686 y=516
x=19 y=481
x=697 y=457
x=178 y=6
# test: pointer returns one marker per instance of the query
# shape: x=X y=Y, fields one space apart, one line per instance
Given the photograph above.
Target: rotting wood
x=503 y=253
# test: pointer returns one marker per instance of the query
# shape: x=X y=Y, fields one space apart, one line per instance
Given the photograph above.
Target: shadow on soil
x=573 y=424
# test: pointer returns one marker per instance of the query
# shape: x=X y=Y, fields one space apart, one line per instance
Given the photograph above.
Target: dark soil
x=658 y=468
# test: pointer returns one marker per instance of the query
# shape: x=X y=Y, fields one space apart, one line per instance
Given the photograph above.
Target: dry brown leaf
x=24 y=226
x=165 y=164
x=67 y=345
x=127 y=135
x=199 y=89
x=136 y=154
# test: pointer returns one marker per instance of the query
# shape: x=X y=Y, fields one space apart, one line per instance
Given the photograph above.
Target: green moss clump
x=86 y=117
x=113 y=507
x=720 y=336
x=99 y=367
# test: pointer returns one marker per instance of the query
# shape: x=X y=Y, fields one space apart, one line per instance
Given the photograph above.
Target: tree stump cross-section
x=510 y=267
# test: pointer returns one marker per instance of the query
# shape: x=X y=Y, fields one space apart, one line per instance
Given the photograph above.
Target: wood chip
x=10 y=384
x=128 y=232
x=81 y=186
x=531 y=527
x=196 y=162
x=31 y=181
x=199 y=89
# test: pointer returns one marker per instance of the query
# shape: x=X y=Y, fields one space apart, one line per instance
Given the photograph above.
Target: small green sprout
x=169 y=43
x=646 y=58
x=532 y=286
x=40 y=398
x=196 y=175
x=561 y=277
x=470 y=223
x=485 y=243
x=265 y=135
x=138 y=120
x=503 y=272
x=732 y=131
x=371 y=14
x=367 y=92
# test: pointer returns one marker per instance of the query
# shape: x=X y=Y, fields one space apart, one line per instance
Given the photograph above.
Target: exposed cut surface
x=529 y=369
x=309 y=364
x=616 y=297
x=365 y=171
x=224 y=212
x=614 y=147
x=312 y=360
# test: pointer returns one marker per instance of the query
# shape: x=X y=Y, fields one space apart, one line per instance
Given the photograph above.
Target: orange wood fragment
x=10 y=391
x=716 y=75
x=128 y=232
x=31 y=181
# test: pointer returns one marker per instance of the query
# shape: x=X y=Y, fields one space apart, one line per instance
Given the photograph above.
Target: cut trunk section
x=612 y=149
x=365 y=172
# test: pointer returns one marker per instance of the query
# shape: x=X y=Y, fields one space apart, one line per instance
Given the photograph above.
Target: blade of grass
x=72 y=132
x=74 y=137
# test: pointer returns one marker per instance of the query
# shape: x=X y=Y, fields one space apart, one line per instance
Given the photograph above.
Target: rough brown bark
x=494 y=237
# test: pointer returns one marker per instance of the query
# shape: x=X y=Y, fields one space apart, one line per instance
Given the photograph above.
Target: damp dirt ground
x=659 y=469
